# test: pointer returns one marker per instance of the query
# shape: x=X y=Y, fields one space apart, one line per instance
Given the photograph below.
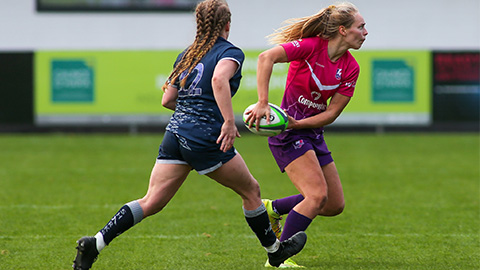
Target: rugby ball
x=278 y=121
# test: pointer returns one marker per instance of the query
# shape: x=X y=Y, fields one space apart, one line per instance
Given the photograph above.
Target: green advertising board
x=393 y=81
x=92 y=82
x=125 y=86
x=71 y=81
x=394 y=88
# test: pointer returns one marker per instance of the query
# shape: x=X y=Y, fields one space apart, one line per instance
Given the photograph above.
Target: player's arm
x=334 y=109
x=222 y=74
x=265 y=63
x=169 y=98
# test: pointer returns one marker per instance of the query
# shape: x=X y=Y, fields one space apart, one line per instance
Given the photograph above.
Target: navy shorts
x=176 y=149
x=293 y=146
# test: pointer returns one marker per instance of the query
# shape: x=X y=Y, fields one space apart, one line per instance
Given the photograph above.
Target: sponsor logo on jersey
x=350 y=84
x=316 y=95
x=338 y=75
x=311 y=104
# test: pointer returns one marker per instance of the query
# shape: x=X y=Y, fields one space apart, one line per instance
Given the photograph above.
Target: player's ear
x=227 y=27
x=342 y=30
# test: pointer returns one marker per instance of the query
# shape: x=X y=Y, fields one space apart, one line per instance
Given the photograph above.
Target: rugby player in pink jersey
x=320 y=82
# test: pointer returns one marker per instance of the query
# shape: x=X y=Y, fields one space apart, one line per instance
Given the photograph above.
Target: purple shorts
x=293 y=146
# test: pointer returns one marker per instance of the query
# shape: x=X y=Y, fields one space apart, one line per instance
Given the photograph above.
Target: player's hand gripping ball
x=278 y=121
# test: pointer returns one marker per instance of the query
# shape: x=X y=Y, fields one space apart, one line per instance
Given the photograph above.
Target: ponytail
x=324 y=24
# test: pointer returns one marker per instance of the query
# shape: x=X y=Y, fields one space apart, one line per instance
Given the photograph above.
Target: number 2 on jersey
x=192 y=89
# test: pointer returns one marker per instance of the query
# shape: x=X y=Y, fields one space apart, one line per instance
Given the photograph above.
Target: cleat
x=86 y=253
x=277 y=229
x=287 y=249
x=288 y=263
x=274 y=218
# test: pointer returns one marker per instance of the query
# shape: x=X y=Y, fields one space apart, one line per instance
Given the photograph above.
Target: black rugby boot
x=86 y=253
x=287 y=249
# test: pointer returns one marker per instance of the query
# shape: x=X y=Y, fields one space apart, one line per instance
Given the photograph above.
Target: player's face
x=357 y=33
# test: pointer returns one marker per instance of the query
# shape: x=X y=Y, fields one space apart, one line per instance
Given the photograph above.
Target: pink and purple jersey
x=313 y=78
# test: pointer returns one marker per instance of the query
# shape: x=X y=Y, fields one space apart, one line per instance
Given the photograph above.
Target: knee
x=252 y=188
x=318 y=202
x=333 y=210
x=325 y=207
x=255 y=186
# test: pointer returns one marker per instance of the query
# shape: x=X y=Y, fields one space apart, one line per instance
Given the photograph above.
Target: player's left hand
x=227 y=136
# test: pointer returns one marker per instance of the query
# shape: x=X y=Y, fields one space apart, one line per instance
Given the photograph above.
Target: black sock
x=260 y=224
x=129 y=215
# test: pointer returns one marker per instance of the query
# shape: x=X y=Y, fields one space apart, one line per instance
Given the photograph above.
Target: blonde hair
x=323 y=24
x=212 y=16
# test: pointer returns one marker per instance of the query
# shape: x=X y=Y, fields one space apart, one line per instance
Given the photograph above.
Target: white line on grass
x=171 y=237
x=54 y=207
x=204 y=235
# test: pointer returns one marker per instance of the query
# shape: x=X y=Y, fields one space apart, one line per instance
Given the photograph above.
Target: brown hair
x=212 y=16
x=324 y=24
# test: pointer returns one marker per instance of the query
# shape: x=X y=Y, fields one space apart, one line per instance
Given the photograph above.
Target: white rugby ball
x=278 y=121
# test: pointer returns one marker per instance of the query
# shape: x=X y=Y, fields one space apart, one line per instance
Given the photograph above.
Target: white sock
x=274 y=247
x=100 y=241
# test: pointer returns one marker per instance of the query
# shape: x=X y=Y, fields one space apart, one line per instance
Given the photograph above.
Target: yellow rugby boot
x=288 y=263
x=277 y=229
x=274 y=218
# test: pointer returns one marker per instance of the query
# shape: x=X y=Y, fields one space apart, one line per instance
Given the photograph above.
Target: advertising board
x=124 y=87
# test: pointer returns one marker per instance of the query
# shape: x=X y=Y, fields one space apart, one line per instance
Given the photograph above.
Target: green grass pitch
x=412 y=202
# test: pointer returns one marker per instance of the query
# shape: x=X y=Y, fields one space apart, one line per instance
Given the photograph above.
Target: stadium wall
x=393 y=25
x=106 y=68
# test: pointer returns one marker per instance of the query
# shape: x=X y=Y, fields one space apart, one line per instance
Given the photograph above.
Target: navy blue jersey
x=197 y=116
